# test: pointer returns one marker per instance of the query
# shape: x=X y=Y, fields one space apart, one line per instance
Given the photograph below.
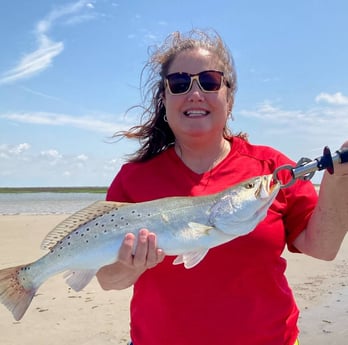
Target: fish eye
x=249 y=185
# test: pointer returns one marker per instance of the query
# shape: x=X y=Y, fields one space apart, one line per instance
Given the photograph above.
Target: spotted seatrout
x=186 y=227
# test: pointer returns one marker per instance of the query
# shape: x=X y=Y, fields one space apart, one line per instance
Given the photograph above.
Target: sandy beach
x=58 y=315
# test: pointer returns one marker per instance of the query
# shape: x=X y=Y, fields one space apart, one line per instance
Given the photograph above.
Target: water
x=46 y=203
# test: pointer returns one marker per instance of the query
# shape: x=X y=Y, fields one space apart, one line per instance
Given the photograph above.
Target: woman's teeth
x=193 y=113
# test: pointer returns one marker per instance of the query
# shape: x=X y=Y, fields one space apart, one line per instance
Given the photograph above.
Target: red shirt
x=238 y=294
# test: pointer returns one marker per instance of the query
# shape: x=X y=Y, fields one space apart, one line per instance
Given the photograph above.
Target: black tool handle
x=343 y=155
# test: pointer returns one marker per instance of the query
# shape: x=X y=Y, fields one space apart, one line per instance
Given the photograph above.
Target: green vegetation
x=53 y=189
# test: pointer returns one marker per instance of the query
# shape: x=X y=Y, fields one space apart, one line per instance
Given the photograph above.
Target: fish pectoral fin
x=78 y=279
x=199 y=228
x=191 y=259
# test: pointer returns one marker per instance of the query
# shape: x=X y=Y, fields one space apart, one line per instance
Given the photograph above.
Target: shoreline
x=82 y=189
x=97 y=317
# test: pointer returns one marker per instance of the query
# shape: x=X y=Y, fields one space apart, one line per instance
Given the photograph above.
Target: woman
x=238 y=294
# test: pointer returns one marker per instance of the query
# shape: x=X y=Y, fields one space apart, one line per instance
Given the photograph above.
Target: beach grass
x=53 y=189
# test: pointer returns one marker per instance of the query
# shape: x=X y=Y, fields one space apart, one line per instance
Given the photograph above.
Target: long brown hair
x=154 y=133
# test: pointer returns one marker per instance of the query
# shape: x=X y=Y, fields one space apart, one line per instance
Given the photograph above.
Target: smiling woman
x=156 y=134
x=187 y=149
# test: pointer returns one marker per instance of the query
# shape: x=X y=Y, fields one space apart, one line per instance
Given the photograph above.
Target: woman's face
x=196 y=113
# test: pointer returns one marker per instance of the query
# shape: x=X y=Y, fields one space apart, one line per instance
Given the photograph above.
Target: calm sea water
x=46 y=203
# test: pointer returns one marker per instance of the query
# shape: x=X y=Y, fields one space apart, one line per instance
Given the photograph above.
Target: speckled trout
x=186 y=227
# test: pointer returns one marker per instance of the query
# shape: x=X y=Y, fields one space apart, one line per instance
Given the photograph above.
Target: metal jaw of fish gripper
x=306 y=168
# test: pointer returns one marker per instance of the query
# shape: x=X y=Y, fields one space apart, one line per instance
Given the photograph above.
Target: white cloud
x=51 y=154
x=271 y=112
x=82 y=157
x=113 y=164
x=97 y=123
x=336 y=99
x=38 y=93
x=7 y=151
x=316 y=125
x=18 y=149
x=42 y=58
x=34 y=62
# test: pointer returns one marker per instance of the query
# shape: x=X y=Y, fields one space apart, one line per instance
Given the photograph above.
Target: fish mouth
x=270 y=184
x=268 y=191
x=274 y=185
x=267 y=187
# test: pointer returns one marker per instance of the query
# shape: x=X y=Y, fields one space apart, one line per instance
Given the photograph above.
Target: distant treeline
x=53 y=189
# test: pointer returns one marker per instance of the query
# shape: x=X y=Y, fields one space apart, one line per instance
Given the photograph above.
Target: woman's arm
x=129 y=267
x=329 y=223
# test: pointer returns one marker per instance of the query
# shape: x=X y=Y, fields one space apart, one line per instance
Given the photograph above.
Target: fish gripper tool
x=306 y=168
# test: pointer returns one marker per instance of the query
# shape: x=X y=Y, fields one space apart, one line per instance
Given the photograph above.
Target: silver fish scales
x=186 y=227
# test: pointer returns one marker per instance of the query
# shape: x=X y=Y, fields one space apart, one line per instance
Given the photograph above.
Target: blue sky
x=70 y=69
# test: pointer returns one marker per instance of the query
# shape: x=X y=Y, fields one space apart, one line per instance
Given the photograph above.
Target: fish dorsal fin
x=78 y=219
x=191 y=259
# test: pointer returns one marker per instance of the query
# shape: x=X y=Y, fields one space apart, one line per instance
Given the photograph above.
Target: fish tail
x=13 y=294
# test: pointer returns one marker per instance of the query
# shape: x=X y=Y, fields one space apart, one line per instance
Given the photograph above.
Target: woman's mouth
x=196 y=113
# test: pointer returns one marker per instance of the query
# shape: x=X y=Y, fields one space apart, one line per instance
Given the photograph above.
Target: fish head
x=240 y=208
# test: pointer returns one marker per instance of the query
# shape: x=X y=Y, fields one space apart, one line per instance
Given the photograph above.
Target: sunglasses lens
x=179 y=82
x=210 y=80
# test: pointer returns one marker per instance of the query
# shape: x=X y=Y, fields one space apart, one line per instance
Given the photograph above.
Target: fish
x=186 y=227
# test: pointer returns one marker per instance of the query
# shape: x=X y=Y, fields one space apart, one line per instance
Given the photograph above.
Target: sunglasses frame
x=196 y=77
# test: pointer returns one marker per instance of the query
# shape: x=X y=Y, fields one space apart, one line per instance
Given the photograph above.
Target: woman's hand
x=135 y=256
x=329 y=222
x=146 y=254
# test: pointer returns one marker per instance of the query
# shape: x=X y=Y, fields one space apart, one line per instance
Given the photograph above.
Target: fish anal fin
x=191 y=259
x=78 y=279
x=78 y=219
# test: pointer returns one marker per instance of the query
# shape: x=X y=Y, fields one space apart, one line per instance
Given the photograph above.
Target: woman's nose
x=195 y=94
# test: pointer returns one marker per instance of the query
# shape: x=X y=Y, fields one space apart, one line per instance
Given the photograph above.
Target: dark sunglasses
x=208 y=81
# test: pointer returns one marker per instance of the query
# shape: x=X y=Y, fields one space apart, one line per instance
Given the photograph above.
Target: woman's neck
x=201 y=157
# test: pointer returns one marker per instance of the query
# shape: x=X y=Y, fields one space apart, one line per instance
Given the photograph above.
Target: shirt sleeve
x=298 y=202
x=301 y=200
x=116 y=191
